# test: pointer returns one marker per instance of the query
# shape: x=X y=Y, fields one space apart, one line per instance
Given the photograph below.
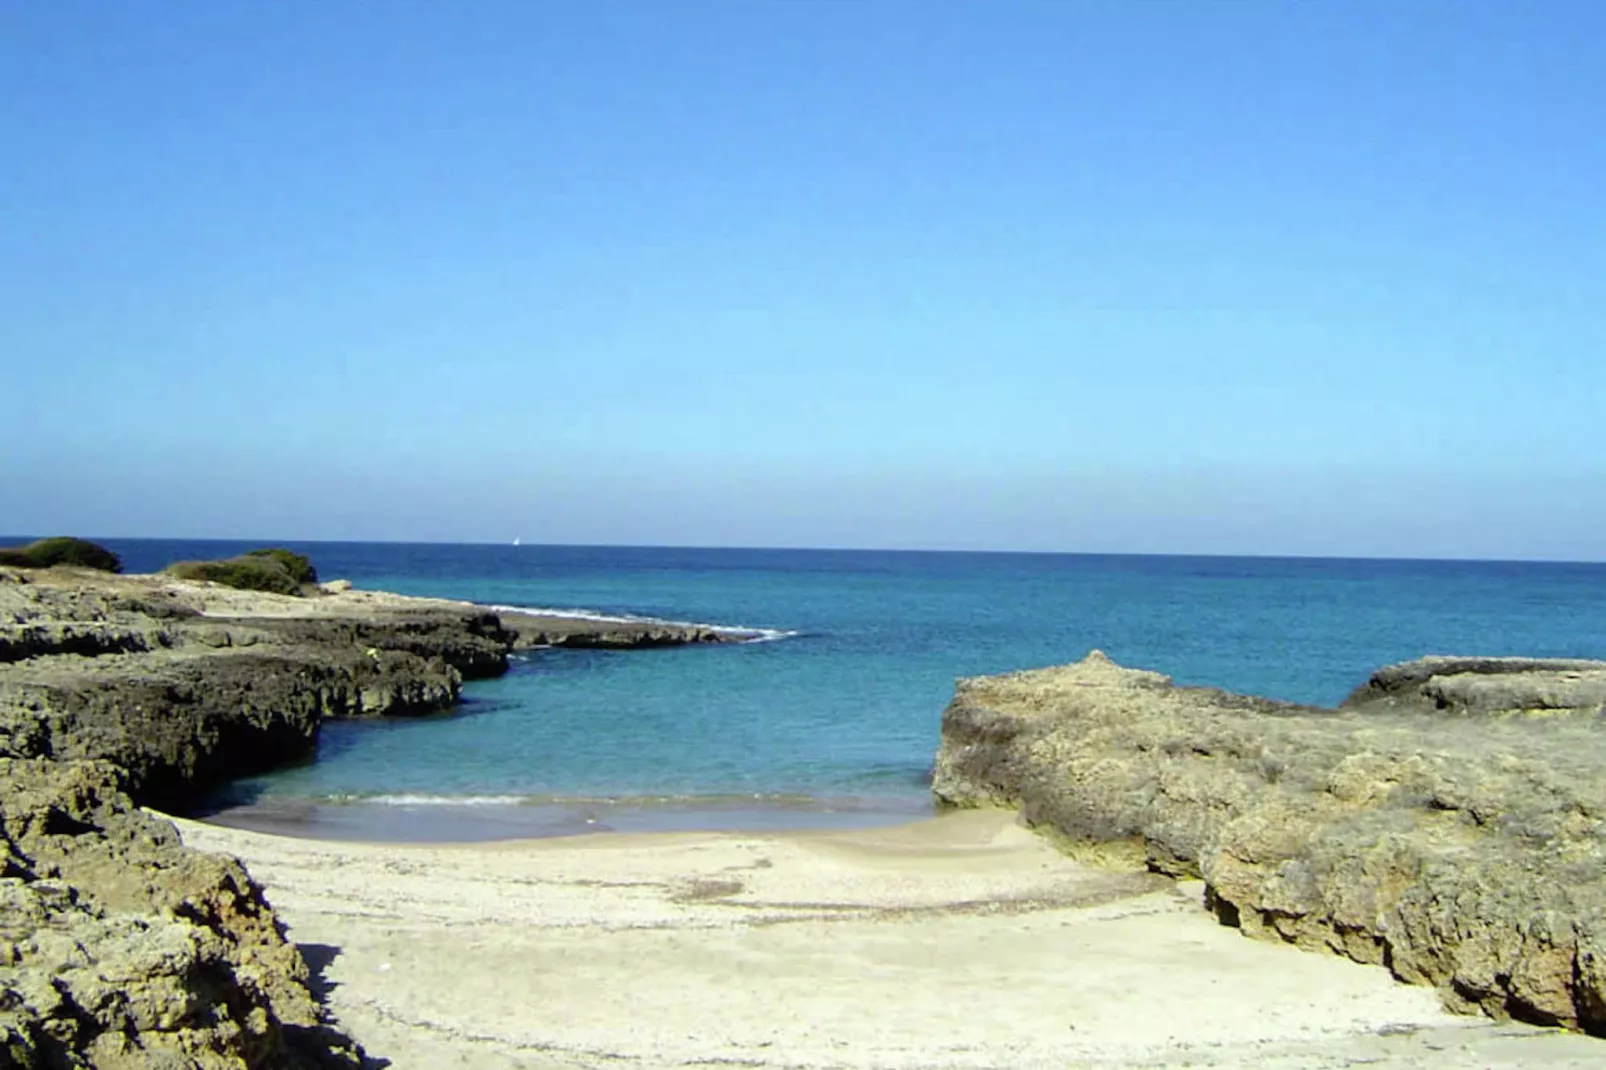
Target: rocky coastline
x=1447 y=821
x=119 y=947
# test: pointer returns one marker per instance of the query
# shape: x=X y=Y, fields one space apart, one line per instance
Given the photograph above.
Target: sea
x=831 y=718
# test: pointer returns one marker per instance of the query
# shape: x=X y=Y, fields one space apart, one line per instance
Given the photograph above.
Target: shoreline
x=405 y=819
x=1337 y=830
x=825 y=951
x=126 y=691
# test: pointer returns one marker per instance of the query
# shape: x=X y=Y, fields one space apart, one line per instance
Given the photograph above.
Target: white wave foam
x=765 y=800
x=741 y=631
x=577 y=614
x=433 y=800
x=770 y=635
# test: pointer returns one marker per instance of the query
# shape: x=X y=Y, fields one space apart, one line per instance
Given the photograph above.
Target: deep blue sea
x=841 y=716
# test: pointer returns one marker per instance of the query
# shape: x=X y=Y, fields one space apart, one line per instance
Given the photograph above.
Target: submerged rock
x=1467 y=854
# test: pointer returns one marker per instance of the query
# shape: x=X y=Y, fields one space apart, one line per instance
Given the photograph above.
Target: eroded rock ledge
x=184 y=686
x=534 y=630
x=1448 y=822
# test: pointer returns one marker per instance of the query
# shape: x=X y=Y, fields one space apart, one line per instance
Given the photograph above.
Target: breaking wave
x=756 y=800
x=738 y=631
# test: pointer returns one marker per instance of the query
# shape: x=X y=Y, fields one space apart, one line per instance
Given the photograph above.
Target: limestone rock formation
x=1533 y=687
x=542 y=630
x=183 y=691
x=1466 y=853
x=121 y=948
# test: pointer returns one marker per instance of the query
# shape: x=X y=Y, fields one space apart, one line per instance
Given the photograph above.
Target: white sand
x=958 y=942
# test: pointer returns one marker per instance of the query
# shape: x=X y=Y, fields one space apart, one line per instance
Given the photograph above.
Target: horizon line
x=1265 y=556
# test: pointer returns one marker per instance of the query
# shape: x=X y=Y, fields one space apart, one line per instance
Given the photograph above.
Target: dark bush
x=297 y=565
x=247 y=573
x=62 y=550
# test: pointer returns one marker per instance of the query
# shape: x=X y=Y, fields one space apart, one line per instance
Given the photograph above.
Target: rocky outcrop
x=533 y=630
x=472 y=641
x=184 y=691
x=85 y=618
x=120 y=948
x=66 y=613
x=1466 y=851
x=180 y=725
x=1502 y=687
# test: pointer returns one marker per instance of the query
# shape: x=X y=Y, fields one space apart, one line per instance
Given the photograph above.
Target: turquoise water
x=844 y=713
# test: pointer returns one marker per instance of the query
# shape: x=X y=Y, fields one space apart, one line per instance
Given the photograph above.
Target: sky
x=1168 y=277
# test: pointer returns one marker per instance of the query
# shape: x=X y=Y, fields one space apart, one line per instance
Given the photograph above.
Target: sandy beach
x=961 y=941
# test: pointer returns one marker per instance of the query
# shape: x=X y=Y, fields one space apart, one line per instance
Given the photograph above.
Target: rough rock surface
x=120 y=948
x=73 y=612
x=184 y=686
x=1465 y=851
x=1530 y=687
x=534 y=630
x=181 y=725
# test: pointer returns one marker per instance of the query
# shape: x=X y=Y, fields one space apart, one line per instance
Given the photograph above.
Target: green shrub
x=246 y=573
x=298 y=565
x=62 y=550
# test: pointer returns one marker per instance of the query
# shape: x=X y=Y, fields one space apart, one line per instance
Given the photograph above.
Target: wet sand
x=460 y=821
x=962 y=941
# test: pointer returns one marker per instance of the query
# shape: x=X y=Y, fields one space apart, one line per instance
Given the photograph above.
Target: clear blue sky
x=1150 y=277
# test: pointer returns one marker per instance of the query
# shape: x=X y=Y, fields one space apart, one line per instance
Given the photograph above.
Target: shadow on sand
x=318 y=958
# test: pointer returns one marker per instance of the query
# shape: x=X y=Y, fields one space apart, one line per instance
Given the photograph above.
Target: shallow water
x=840 y=719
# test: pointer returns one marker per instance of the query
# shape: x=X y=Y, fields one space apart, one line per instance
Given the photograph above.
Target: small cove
x=837 y=723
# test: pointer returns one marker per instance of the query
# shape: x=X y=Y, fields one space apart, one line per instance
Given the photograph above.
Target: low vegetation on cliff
x=61 y=550
x=299 y=566
x=274 y=569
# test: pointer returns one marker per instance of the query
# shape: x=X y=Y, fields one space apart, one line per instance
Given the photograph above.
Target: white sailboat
x=515 y=540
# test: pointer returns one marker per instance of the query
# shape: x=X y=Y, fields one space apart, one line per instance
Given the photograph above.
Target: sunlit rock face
x=1446 y=822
